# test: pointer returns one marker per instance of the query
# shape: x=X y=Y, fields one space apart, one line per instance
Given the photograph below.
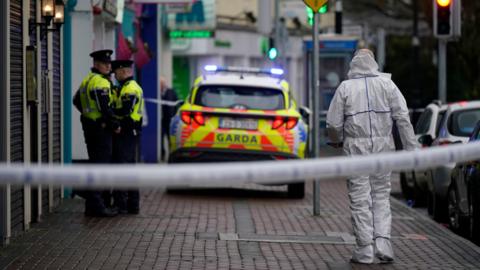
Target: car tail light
x=186 y=118
x=290 y=122
x=198 y=117
x=278 y=122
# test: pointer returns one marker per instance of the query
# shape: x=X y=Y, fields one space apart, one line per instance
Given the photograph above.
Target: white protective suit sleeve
x=335 y=116
x=401 y=116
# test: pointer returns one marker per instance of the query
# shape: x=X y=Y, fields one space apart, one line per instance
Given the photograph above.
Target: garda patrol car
x=239 y=114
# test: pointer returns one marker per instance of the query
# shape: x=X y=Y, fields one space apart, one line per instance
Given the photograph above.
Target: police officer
x=94 y=99
x=128 y=109
x=168 y=111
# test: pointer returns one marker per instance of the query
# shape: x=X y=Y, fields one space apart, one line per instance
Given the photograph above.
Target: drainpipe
x=67 y=83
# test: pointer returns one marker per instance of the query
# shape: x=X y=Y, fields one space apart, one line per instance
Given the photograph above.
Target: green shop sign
x=222 y=43
x=191 y=34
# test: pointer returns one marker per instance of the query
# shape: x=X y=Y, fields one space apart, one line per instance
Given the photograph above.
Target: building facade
x=89 y=27
x=31 y=115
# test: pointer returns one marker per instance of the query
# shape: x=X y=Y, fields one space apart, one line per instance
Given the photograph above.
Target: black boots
x=105 y=212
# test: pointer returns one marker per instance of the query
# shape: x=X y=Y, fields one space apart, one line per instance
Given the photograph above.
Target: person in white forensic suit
x=361 y=117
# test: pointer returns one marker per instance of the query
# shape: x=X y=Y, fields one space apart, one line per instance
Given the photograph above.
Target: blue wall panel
x=149 y=82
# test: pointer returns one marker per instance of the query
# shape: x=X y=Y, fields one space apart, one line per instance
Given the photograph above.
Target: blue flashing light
x=210 y=68
x=276 y=71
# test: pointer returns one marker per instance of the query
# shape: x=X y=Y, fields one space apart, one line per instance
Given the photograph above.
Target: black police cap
x=102 y=55
x=121 y=64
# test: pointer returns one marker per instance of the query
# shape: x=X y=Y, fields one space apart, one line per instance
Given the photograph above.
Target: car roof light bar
x=276 y=71
x=211 y=68
x=269 y=71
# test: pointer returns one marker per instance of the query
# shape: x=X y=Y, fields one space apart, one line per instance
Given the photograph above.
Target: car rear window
x=423 y=123
x=462 y=123
x=440 y=116
x=240 y=97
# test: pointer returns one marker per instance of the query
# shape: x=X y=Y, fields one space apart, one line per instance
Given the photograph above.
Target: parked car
x=464 y=196
x=414 y=184
x=456 y=126
x=240 y=114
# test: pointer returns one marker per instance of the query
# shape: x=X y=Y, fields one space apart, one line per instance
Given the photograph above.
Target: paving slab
x=242 y=227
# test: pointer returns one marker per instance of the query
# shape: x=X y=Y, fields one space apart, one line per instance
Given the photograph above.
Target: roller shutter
x=44 y=103
x=16 y=109
x=57 y=138
x=56 y=108
x=33 y=122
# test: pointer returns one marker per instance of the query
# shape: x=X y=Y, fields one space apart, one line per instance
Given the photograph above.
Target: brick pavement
x=229 y=229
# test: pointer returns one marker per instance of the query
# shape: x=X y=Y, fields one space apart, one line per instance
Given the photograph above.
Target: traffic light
x=323 y=9
x=442 y=18
x=272 y=50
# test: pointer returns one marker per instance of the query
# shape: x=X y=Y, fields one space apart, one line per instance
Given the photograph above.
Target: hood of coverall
x=363 y=64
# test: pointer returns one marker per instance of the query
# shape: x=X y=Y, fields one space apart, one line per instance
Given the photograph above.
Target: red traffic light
x=443 y=17
x=444 y=3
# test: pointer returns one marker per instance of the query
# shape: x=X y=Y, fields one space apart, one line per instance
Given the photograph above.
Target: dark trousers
x=165 y=134
x=99 y=147
x=125 y=151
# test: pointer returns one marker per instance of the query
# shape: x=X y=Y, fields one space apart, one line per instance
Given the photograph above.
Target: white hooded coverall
x=361 y=116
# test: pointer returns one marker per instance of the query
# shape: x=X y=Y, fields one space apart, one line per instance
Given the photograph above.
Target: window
x=462 y=123
x=423 y=124
x=439 y=121
x=240 y=97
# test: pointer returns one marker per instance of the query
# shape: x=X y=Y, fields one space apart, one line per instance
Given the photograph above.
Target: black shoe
x=120 y=210
x=134 y=211
x=106 y=212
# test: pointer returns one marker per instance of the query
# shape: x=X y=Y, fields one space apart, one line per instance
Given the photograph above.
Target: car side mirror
x=426 y=140
x=305 y=112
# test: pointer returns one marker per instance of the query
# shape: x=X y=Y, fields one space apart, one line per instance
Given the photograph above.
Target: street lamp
x=48 y=10
x=59 y=18
x=51 y=9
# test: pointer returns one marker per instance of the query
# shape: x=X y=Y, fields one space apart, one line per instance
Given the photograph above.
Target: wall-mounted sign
x=191 y=34
x=202 y=16
x=178 y=8
x=31 y=73
x=222 y=43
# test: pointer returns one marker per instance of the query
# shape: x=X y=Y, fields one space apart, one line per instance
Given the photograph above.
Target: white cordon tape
x=163 y=102
x=141 y=175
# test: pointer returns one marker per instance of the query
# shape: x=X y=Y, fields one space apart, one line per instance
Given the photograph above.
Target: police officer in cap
x=128 y=110
x=94 y=99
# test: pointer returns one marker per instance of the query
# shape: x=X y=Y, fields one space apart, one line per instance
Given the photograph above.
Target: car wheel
x=296 y=191
x=429 y=204
x=437 y=208
x=456 y=221
x=475 y=220
x=407 y=191
x=418 y=196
